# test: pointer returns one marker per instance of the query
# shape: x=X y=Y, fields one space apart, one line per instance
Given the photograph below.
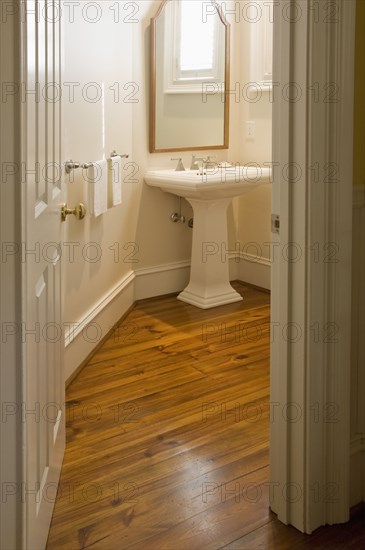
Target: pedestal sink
x=209 y=192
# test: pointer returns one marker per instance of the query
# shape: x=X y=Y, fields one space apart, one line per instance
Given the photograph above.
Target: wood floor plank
x=167 y=434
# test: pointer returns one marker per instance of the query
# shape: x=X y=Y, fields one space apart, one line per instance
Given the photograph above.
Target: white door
x=43 y=382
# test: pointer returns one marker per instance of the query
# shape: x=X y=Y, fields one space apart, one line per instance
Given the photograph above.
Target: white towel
x=115 y=181
x=97 y=177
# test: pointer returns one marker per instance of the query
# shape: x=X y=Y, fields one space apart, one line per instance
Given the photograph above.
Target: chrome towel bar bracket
x=115 y=154
x=71 y=165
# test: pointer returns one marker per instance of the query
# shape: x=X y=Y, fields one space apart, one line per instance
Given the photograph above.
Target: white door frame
x=10 y=292
x=311 y=303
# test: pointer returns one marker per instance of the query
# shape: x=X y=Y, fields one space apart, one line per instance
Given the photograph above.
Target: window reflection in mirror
x=189 y=69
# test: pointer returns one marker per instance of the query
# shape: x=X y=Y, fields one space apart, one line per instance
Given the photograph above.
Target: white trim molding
x=83 y=335
x=161 y=279
x=310 y=358
x=174 y=277
x=11 y=348
x=255 y=270
x=74 y=329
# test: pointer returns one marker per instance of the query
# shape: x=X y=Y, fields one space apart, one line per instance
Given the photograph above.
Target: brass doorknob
x=79 y=211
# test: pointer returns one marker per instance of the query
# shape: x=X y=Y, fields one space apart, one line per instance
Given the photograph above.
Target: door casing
x=311 y=281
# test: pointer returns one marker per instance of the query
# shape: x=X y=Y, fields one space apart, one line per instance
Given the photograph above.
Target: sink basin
x=209 y=192
x=209 y=184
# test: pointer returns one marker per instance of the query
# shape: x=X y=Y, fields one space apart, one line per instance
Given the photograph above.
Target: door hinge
x=275 y=223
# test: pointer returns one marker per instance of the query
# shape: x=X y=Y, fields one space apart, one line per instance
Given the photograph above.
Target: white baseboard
x=86 y=333
x=161 y=279
x=174 y=277
x=254 y=270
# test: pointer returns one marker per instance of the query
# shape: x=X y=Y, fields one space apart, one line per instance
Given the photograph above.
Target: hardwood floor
x=167 y=436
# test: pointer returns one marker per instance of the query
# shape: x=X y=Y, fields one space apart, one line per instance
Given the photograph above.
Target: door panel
x=43 y=403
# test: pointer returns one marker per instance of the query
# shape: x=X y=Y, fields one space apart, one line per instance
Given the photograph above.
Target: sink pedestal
x=210 y=195
x=209 y=284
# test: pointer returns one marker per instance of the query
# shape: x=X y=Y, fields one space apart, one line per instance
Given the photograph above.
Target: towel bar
x=71 y=165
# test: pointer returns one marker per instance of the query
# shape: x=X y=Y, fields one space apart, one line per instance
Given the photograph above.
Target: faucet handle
x=180 y=166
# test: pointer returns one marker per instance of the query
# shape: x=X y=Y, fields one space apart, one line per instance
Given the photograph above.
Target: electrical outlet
x=250 y=129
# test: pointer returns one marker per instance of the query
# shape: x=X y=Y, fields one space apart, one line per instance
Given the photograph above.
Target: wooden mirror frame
x=152 y=117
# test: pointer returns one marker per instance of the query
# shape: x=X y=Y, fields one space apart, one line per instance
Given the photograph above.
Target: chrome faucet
x=209 y=163
x=195 y=163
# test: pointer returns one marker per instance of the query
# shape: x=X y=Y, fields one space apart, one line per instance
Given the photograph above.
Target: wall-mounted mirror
x=190 y=44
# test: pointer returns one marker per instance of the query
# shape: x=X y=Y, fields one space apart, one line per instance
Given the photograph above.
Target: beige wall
x=160 y=241
x=92 y=130
x=253 y=210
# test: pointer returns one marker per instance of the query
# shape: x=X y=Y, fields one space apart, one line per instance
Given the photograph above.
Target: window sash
x=178 y=79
